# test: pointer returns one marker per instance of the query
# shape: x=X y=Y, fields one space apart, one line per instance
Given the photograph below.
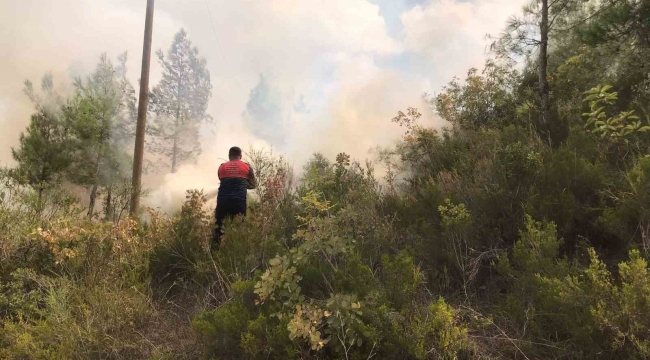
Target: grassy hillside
x=520 y=232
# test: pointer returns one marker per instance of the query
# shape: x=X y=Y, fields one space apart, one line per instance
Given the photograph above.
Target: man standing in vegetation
x=236 y=178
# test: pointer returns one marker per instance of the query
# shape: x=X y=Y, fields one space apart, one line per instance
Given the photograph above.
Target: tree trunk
x=544 y=92
x=40 y=207
x=178 y=115
x=93 y=191
x=174 y=151
x=41 y=189
x=93 y=197
x=175 y=148
x=109 y=206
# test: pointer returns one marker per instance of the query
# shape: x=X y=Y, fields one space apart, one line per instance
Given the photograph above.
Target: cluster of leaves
x=280 y=281
x=484 y=100
x=622 y=130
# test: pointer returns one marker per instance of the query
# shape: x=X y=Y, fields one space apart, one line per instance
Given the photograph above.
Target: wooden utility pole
x=138 y=152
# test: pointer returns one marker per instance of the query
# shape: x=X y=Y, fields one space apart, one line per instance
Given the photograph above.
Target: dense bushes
x=458 y=261
x=483 y=241
x=581 y=306
x=491 y=245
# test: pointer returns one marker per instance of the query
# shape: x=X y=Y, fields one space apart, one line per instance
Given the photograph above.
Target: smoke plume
x=334 y=72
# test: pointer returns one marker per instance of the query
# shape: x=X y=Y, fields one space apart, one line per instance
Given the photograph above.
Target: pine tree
x=180 y=102
x=531 y=32
x=102 y=118
x=44 y=152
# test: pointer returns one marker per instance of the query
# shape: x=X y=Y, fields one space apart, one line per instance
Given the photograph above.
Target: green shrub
x=220 y=330
x=581 y=306
x=80 y=323
x=181 y=246
x=400 y=279
x=22 y=297
x=519 y=163
x=267 y=338
x=356 y=277
x=244 y=247
x=236 y=330
x=438 y=333
x=629 y=217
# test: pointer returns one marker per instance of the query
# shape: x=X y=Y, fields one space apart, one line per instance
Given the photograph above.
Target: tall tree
x=531 y=32
x=484 y=100
x=119 y=178
x=124 y=127
x=44 y=152
x=50 y=101
x=101 y=116
x=544 y=90
x=180 y=102
x=622 y=22
x=620 y=31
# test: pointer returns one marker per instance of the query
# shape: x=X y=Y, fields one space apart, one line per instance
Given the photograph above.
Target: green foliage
x=21 y=296
x=485 y=100
x=436 y=334
x=622 y=23
x=623 y=129
x=537 y=247
x=629 y=217
x=179 y=253
x=484 y=241
x=68 y=327
x=401 y=279
x=520 y=164
x=456 y=223
x=44 y=152
x=581 y=305
x=235 y=331
x=220 y=329
x=340 y=183
x=357 y=277
x=101 y=121
x=264 y=339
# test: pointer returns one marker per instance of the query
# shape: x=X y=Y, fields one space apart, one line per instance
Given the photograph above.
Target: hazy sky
x=335 y=71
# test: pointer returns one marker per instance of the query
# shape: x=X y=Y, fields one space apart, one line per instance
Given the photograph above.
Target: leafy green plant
x=401 y=279
x=456 y=223
x=181 y=249
x=620 y=129
x=437 y=334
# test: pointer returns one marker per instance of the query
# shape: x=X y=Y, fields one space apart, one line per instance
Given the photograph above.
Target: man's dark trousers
x=226 y=208
x=236 y=177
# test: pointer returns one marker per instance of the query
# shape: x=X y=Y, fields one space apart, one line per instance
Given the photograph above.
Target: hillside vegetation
x=520 y=232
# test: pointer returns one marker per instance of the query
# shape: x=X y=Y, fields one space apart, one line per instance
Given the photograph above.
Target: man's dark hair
x=234 y=152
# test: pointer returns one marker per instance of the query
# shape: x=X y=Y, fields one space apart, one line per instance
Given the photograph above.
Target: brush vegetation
x=522 y=231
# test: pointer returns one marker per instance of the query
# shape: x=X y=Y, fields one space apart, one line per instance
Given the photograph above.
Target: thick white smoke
x=337 y=71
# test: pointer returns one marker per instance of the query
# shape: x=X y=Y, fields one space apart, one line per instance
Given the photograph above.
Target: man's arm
x=252 y=181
